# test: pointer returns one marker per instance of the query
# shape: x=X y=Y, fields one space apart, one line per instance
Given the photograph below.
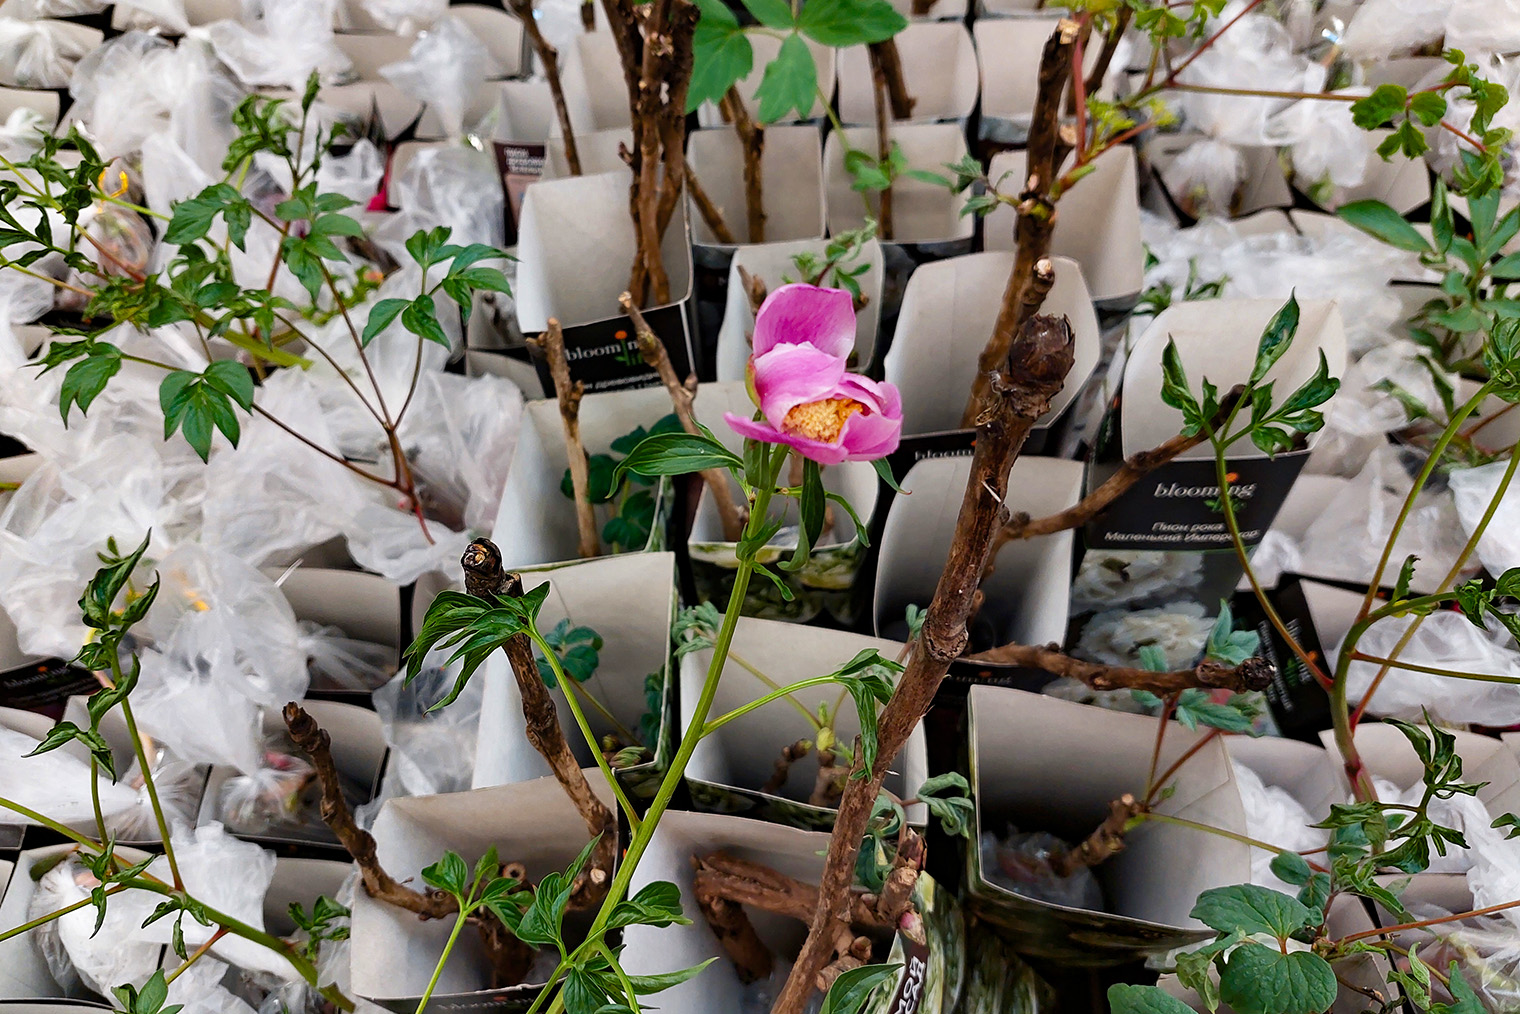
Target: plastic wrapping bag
x=1275 y=817
x=405 y=17
x=1326 y=147
x=38 y=54
x=178 y=784
x=431 y=752
x=446 y=66
x=454 y=186
x=283 y=797
x=1474 y=489
x=20 y=136
x=56 y=783
x=1360 y=417
x=1256 y=53
x=1383 y=28
x=150 y=15
x=137 y=86
x=1179 y=631
x=291 y=39
x=31 y=10
x=74 y=952
x=1205 y=176
x=339 y=662
x=1445 y=640
x=1022 y=863
x=1346 y=541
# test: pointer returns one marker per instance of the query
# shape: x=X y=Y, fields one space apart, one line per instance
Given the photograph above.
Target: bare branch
x=548 y=58
x=1253 y=674
x=1105 y=842
x=711 y=213
x=552 y=344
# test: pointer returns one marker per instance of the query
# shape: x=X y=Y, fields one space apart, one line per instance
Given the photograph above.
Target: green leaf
x=884 y=471
x=420 y=317
x=381 y=315
x=448 y=874
x=1427 y=107
x=811 y=504
x=656 y=904
x=955 y=812
x=841 y=23
x=676 y=454
x=1506 y=268
x=1379 y=108
x=1175 y=391
x=101 y=591
x=88 y=377
x=1127 y=999
x=1291 y=868
x=866 y=677
x=790 y=82
x=849 y=993
x=771 y=13
x=722 y=54
x=1258 y=979
x=1246 y=908
x=1379 y=220
x=1275 y=339
x=232 y=379
x=643 y=985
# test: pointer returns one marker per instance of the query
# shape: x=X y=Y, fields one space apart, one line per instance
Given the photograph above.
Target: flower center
x=821 y=420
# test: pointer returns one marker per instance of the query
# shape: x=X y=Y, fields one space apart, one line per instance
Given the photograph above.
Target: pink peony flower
x=803 y=336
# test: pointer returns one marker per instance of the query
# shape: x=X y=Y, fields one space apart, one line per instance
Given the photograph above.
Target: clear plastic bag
x=339 y=662
x=1022 y=863
x=1384 y=28
x=290 y=40
x=56 y=783
x=178 y=784
x=31 y=10
x=1473 y=490
x=405 y=17
x=431 y=752
x=454 y=186
x=446 y=67
x=39 y=54
x=1445 y=640
x=74 y=952
x=1275 y=817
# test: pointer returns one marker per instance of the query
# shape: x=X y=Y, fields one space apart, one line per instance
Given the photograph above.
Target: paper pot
x=948 y=313
x=1098 y=224
x=1026 y=598
x=364 y=607
x=483 y=101
x=791 y=167
x=1261 y=185
x=1149 y=556
x=596 y=149
x=362 y=101
x=936 y=972
x=939 y=69
x=766 y=46
x=827 y=583
x=370 y=51
x=24 y=974
x=197 y=13
x=772 y=263
x=500 y=32
x=45 y=103
x=630 y=601
x=536 y=523
x=359 y=752
x=927 y=220
x=575 y=248
x=592 y=76
x=732 y=765
x=939 y=10
x=1008 y=52
x=393 y=952
x=1017 y=739
x=1404 y=184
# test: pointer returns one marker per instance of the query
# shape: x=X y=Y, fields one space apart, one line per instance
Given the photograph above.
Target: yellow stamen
x=821 y=420
x=101 y=183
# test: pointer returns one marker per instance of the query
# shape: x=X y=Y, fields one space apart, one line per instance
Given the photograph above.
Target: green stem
x=196 y=955
x=622 y=730
x=51 y=824
x=100 y=817
x=443 y=958
x=776 y=695
x=585 y=727
x=1432 y=670
x=633 y=997
x=1166 y=818
x=147 y=774
x=739 y=660
x=43 y=920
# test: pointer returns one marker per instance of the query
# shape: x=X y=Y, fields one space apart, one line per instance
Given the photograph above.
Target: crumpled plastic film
x=38 y=54
x=1346 y=544
x=446 y=66
x=290 y=40
x=431 y=752
x=1021 y=863
x=1382 y=28
x=1474 y=489
x=1205 y=176
x=31 y=10
x=337 y=661
x=405 y=17
x=454 y=186
x=56 y=783
x=1275 y=817
x=1445 y=640
x=74 y=952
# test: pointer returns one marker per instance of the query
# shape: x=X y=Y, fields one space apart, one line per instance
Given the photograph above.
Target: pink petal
x=868 y=437
x=824 y=454
x=876 y=396
x=806 y=315
x=791 y=375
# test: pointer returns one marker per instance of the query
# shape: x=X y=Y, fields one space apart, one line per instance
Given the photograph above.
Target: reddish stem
x=1430 y=922
x=1171 y=77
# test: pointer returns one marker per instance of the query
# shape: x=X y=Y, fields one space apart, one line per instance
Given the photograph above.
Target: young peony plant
x=797 y=373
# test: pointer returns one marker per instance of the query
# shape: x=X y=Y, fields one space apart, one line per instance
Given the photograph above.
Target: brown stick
x=752 y=144
x=754 y=287
x=485 y=577
x=826 y=786
x=548 y=57
x=1134 y=468
x=885 y=53
x=1018 y=395
x=1106 y=54
x=752 y=960
x=588 y=15
x=682 y=396
x=675 y=75
x=790 y=754
x=883 y=141
x=1108 y=840
x=921 y=8
x=1252 y=674
x=711 y=214
x=749 y=883
x=552 y=344
x=316 y=744
x=1036 y=212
